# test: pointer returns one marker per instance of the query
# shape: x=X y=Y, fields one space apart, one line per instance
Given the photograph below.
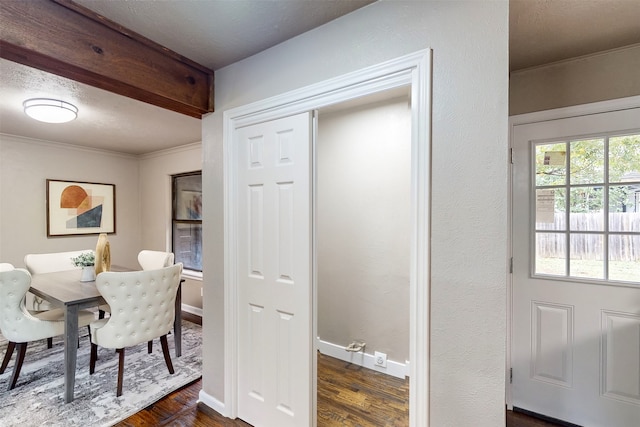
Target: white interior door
x=576 y=276
x=274 y=272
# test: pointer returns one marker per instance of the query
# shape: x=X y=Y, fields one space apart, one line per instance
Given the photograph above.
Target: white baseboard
x=395 y=369
x=212 y=402
x=191 y=309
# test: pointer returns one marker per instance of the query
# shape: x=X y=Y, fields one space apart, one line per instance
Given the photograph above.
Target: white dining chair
x=142 y=309
x=19 y=326
x=148 y=260
x=48 y=263
x=5 y=266
x=151 y=260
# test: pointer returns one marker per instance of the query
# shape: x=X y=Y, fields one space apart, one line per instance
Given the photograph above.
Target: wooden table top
x=65 y=287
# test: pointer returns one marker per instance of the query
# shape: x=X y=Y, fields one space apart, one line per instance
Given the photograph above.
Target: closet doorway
x=363 y=237
x=411 y=71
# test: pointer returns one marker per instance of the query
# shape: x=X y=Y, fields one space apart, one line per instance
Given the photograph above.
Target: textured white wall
x=469 y=178
x=363 y=226
x=604 y=76
x=156 y=170
x=26 y=164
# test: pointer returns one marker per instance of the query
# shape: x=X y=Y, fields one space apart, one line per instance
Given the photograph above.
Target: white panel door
x=274 y=273
x=576 y=275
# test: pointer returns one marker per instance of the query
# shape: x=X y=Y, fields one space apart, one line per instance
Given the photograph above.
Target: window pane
x=624 y=198
x=624 y=159
x=551 y=164
x=624 y=208
x=624 y=258
x=586 y=254
x=188 y=197
x=587 y=161
x=187 y=245
x=550 y=209
x=587 y=213
x=551 y=254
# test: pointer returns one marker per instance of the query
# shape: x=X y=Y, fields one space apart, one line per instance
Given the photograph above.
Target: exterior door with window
x=576 y=269
x=274 y=272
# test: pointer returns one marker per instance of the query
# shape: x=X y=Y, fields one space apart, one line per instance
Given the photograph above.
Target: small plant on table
x=85 y=259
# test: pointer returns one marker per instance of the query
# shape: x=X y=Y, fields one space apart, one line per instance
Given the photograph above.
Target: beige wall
x=604 y=76
x=156 y=170
x=143 y=198
x=469 y=180
x=363 y=227
x=25 y=165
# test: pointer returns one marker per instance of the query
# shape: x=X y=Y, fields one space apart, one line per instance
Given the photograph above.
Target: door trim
x=413 y=70
x=538 y=117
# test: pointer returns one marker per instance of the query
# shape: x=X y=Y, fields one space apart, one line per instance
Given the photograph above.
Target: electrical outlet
x=380 y=359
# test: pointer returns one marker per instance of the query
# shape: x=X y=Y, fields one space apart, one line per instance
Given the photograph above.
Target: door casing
x=414 y=70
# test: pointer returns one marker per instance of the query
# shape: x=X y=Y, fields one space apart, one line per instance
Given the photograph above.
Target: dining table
x=63 y=289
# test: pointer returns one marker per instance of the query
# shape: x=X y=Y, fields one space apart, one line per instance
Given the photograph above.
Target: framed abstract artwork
x=80 y=208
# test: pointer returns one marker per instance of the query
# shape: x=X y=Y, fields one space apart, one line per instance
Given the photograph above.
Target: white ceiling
x=216 y=33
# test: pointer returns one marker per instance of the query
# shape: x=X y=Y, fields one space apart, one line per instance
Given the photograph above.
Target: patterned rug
x=38 y=398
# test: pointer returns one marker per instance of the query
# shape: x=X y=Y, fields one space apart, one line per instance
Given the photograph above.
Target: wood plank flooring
x=347 y=396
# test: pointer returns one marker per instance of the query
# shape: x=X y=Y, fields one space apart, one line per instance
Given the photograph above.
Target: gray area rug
x=38 y=399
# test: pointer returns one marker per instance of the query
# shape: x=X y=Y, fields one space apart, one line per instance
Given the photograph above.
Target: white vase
x=88 y=274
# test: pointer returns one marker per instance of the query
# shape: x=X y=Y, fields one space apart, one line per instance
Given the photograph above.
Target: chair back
x=152 y=260
x=5 y=266
x=52 y=262
x=142 y=305
x=16 y=323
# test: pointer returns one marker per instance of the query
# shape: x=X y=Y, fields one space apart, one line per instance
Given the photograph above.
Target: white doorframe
x=414 y=70
x=537 y=117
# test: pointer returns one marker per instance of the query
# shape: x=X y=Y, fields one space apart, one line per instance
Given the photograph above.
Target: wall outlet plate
x=380 y=359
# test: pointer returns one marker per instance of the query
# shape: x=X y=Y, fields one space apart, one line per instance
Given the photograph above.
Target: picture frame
x=80 y=208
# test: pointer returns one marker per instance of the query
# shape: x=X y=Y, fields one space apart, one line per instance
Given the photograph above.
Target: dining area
x=117 y=308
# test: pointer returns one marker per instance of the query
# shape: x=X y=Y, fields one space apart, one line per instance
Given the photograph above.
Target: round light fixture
x=50 y=110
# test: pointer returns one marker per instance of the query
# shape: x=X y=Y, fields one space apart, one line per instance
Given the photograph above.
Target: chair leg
x=150 y=346
x=49 y=342
x=120 y=371
x=92 y=358
x=165 y=351
x=22 y=349
x=7 y=356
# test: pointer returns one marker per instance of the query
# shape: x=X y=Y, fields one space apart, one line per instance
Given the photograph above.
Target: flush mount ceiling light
x=50 y=110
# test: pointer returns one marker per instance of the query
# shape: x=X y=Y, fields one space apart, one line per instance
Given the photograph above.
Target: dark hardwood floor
x=181 y=408
x=348 y=395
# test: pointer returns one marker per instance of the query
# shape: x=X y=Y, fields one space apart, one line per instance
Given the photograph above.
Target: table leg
x=70 y=350
x=177 y=321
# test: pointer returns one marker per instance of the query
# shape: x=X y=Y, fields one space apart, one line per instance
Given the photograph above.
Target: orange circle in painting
x=72 y=196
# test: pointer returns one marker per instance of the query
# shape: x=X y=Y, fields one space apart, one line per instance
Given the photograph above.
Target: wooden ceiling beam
x=66 y=39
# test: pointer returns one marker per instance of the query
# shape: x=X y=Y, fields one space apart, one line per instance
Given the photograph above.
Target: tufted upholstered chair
x=48 y=263
x=151 y=260
x=142 y=308
x=5 y=266
x=148 y=260
x=19 y=326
